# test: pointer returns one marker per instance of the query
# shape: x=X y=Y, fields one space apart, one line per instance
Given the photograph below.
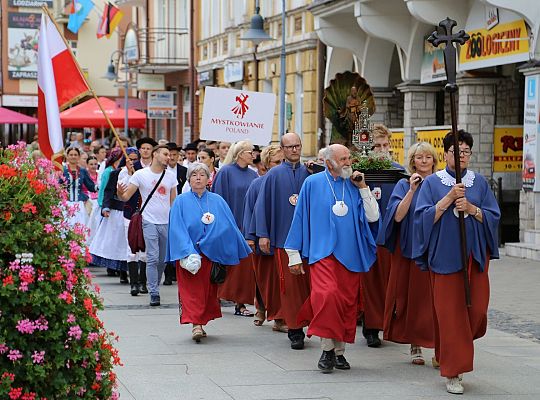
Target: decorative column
x=476 y=115
x=419 y=108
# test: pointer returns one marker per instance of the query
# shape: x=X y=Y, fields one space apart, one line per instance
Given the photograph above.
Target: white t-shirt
x=157 y=209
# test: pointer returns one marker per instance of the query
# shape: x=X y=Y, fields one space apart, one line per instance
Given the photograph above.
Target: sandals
x=260 y=317
x=280 y=326
x=416 y=355
x=242 y=311
x=197 y=333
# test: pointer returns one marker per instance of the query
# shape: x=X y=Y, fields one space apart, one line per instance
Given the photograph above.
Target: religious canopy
x=89 y=115
x=11 y=117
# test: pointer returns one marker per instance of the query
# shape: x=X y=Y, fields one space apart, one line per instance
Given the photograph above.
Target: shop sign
x=206 y=78
x=150 y=81
x=234 y=71
x=508 y=149
x=432 y=69
x=397 y=146
x=492 y=17
x=434 y=136
x=531 y=129
x=13 y=100
x=161 y=105
x=29 y=3
x=504 y=44
x=231 y=115
x=23 y=30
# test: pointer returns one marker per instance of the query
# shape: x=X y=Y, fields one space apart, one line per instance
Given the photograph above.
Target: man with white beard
x=331 y=229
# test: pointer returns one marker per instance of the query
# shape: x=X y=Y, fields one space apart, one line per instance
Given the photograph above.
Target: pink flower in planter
x=26 y=326
x=14 y=355
x=38 y=357
x=48 y=228
x=70 y=318
x=3 y=349
x=75 y=332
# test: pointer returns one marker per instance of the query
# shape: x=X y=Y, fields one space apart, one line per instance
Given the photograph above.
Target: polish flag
x=60 y=84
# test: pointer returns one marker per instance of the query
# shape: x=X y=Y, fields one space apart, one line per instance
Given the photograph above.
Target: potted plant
x=52 y=343
x=377 y=167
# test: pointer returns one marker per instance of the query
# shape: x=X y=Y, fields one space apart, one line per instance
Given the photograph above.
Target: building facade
x=225 y=60
x=385 y=41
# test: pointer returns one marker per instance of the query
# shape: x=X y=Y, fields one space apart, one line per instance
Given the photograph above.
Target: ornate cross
x=450 y=51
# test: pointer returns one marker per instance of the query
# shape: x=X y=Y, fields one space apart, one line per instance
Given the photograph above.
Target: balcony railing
x=163 y=48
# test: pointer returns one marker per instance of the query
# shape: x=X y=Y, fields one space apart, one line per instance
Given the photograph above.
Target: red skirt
x=294 y=290
x=331 y=306
x=408 y=314
x=197 y=296
x=456 y=325
x=267 y=279
x=373 y=289
x=239 y=285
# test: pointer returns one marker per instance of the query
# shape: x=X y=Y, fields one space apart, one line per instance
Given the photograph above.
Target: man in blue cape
x=330 y=229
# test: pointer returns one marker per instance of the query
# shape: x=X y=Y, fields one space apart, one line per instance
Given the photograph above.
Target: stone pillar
x=476 y=115
x=419 y=108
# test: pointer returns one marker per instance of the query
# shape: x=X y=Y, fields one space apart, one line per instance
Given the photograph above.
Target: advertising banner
x=231 y=115
x=530 y=133
x=434 y=136
x=503 y=44
x=432 y=69
x=397 y=146
x=30 y=3
x=23 y=29
x=161 y=105
x=508 y=149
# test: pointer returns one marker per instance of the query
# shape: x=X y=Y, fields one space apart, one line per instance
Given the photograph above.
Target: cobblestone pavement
x=243 y=362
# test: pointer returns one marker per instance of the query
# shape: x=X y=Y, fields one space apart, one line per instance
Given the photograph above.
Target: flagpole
x=93 y=93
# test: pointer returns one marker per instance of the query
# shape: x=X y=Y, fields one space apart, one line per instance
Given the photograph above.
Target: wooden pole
x=451 y=87
x=92 y=92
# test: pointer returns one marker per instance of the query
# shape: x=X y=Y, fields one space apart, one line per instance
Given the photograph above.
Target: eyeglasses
x=250 y=152
x=465 y=152
x=293 y=147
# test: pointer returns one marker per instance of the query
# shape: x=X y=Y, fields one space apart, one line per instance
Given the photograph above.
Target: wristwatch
x=477 y=212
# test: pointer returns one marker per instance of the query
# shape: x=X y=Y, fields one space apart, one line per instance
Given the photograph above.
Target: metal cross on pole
x=451 y=87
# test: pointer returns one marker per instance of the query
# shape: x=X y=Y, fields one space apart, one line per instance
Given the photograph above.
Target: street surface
x=242 y=362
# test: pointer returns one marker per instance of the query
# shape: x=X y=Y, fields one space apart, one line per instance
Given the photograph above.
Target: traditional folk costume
x=408 y=315
x=266 y=274
x=438 y=246
x=232 y=183
x=74 y=182
x=216 y=241
x=331 y=229
x=374 y=283
x=109 y=248
x=273 y=214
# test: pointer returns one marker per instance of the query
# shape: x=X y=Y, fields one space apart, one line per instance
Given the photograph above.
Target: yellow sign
x=435 y=138
x=397 y=146
x=508 y=149
x=504 y=44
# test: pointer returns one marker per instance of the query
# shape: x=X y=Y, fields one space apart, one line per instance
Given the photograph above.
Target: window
x=299 y=104
x=215 y=49
x=204 y=51
x=225 y=45
x=298 y=24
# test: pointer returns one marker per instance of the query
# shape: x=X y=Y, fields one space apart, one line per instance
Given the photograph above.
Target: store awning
x=8 y=116
x=89 y=115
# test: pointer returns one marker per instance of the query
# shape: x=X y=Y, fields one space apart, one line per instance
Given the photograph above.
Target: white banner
x=231 y=115
x=531 y=127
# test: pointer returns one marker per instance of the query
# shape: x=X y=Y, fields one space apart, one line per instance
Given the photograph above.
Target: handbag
x=135 y=230
x=218 y=273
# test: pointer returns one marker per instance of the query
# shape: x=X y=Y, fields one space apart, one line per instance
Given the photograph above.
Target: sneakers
x=454 y=386
x=155 y=300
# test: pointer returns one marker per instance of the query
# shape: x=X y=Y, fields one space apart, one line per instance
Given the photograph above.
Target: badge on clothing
x=377 y=192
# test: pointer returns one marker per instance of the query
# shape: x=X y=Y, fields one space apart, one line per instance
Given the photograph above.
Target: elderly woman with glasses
x=232 y=183
x=408 y=314
x=437 y=246
x=202 y=231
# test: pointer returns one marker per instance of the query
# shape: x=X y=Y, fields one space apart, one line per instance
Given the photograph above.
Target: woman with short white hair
x=232 y=183
x=198 y=223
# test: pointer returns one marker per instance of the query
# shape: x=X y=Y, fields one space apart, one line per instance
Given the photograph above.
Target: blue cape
x=317 y=233
x=220 y=241
x=438 y=244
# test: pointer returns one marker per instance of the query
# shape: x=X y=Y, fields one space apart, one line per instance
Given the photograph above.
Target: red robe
x=239 y=285
x=374 y=285
x=267 y=279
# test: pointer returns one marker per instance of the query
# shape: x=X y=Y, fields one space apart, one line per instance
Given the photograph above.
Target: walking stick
x=451 y=87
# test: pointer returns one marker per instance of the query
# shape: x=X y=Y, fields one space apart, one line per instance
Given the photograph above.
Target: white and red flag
x=60 y=84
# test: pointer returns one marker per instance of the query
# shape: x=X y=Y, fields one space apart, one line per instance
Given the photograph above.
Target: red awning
x=12 y=117
x=89 y=115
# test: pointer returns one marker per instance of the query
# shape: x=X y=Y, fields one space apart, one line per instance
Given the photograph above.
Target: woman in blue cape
x=437 y=245
x=202 y=230
x=408 y=314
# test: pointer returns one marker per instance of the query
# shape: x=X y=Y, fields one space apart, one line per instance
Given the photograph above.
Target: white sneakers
x=454 y=386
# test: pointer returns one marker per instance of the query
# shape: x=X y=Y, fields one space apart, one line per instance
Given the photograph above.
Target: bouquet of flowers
x=52 y=343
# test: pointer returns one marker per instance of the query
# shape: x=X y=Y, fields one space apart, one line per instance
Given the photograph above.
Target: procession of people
x=315 y=246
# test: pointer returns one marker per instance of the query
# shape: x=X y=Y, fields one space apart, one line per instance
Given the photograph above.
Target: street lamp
x=112 y=75
x=256 y=34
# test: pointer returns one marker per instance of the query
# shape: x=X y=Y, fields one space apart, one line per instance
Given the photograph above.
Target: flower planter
x=391 y=175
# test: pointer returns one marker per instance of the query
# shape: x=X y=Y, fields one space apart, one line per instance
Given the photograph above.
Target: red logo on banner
x=241 y=108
